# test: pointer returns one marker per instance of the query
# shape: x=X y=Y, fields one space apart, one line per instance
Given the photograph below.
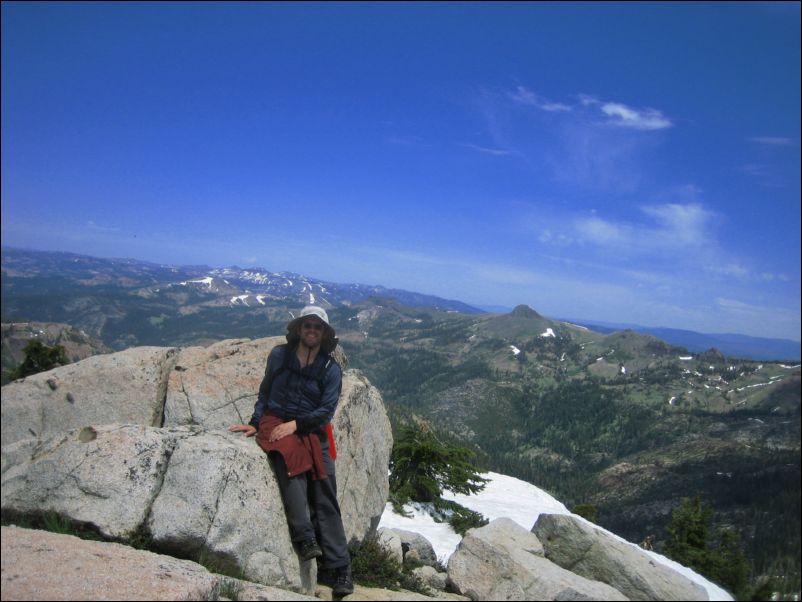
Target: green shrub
x=586 y=511
x=373 y=566
x=231 y=589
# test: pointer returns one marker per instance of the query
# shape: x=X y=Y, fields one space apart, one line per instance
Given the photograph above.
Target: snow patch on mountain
x=207 y=281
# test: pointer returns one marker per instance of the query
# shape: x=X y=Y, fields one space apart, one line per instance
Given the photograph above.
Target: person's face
x=312 y=331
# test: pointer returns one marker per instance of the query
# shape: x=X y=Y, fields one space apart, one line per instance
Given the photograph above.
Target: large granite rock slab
x=37 y=565
x=119 y=388
x=191 y=486
x=576 y=544
x=504 y=561
x=218 y=385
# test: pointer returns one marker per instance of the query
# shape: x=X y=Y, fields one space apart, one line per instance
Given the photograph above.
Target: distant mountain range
x=33 y=281
x=244 y=286
x=731 y=345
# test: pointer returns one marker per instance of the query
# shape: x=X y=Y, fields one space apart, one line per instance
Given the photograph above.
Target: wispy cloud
x=742 y=311
x=773 y=140
x=616 y=113
x=730 y=269
x=525 y=96
x=639 y=119
x=496 y=152
x=586 y=141
x=671 y=245
x=765 y=174
x=604 y=233
x=771 y=277
x=671 y=229
x=595 y=156
x=686 y=224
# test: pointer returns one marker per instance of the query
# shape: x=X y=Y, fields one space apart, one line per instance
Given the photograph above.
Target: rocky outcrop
x=189 y=485
x=586 y=550
x=121 y=388
x=504 y=561
x=37 y=565
x=134 y=445
x=212 y=386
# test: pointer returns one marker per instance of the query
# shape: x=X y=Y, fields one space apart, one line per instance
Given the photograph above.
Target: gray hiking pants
x=312 y=510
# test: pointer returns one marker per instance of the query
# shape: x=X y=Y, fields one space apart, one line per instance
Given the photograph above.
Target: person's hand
x=249 y=430
x=282 y=430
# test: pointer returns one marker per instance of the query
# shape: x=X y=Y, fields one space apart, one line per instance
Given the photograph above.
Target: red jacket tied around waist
x=301 y=453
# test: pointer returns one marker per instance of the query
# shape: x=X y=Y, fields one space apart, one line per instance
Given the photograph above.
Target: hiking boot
x=309 y=549
x=343 y=584
x=326 y=577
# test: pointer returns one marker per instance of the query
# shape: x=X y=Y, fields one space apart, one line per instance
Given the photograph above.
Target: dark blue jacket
x=296 y=393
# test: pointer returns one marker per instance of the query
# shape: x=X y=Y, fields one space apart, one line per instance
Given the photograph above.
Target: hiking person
x=297 y=400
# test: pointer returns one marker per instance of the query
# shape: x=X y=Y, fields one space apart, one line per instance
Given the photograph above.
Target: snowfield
x=522 y=502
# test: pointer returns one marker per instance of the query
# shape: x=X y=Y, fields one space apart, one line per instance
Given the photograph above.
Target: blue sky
x=635 y=162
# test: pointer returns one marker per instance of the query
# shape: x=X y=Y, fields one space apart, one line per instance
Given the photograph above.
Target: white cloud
x=642 y=119
x=684 y=223
x=676 y=227
x=590 y=142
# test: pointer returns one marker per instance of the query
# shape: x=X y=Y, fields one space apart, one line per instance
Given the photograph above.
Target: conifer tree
x=688 y=543
x=421 y=466
x=38 y=358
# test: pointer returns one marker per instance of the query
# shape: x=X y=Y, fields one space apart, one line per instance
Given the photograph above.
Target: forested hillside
x=623 y=422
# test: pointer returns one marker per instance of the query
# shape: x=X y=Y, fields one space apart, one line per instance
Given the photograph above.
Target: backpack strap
x=285 y=362
x=321 y=383
x=321 y=373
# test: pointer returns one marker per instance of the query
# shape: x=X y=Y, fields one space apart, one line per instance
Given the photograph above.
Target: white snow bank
x=506 y=496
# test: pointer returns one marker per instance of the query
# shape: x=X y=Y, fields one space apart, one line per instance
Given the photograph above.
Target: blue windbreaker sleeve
x=322 y=415
x=274 y=360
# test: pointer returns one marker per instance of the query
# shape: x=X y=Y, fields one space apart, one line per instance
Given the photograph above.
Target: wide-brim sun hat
x=294 y=325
